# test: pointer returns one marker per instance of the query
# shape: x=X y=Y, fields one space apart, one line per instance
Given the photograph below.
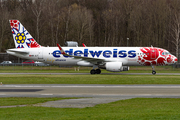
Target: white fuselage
x=129 y=56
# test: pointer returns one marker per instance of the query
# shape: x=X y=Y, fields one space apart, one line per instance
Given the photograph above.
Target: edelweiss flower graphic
x=20 y=38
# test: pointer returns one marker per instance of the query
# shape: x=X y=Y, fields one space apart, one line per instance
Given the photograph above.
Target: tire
x=153 y=72
x=93 y=71
x=98 y=71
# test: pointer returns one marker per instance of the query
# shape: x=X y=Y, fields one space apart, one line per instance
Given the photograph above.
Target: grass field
x=87 y=79
x=90 y=79
x=25 y=101
x=132 y=109
x=57 y=69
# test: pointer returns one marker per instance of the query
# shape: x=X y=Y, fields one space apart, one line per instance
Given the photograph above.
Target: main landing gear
x=153 y=70
x=97 y=71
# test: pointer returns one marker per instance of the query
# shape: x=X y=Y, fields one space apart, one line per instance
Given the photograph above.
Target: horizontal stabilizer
x=20 y=51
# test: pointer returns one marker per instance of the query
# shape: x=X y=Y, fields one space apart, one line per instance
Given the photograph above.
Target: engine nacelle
x=114 y=66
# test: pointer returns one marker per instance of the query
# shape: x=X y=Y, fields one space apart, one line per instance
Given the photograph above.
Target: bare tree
x=175 y=27
x=81 y=23
x=96 y=22
x=3 y=23
x=66 y=20
x=51 y=13
x=37 y=8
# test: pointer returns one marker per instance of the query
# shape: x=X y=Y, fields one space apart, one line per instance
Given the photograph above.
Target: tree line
x=95 y=22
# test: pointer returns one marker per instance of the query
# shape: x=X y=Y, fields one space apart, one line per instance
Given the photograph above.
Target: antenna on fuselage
x=151 y=46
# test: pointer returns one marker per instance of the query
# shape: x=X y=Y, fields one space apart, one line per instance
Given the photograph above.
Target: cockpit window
x=165 y=53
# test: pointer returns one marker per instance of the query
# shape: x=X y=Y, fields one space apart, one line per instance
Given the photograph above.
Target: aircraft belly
x=70 y=62
x=132 y=62
x=61 y=61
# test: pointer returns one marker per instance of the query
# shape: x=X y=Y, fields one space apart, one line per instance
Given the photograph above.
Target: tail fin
x=21 y=36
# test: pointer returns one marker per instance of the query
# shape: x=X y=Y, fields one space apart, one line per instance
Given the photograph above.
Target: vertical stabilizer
x=21 y=36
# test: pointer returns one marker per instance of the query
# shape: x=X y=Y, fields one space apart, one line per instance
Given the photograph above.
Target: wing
x=87 y=59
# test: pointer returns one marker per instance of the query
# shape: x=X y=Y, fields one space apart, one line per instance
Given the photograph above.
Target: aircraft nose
x=172 y=59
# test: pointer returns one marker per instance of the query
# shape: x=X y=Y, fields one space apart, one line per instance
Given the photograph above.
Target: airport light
x=127 y=41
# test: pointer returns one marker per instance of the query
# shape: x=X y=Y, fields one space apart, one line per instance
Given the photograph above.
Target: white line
x=46 y=94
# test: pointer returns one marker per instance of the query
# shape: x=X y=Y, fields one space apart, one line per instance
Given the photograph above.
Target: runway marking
x=46 y=94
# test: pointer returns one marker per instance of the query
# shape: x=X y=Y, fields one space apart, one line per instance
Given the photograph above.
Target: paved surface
x=86 y=90
x=79 y=103
x=92 y=94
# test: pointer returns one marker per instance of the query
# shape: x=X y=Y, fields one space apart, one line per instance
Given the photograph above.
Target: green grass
x=39 y=69
x=132 y=109
x=90 y=79
x=25 y=101
x=87 y=79
x=57 y=69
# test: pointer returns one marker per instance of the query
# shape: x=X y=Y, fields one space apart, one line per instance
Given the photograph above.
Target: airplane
x=114 y=59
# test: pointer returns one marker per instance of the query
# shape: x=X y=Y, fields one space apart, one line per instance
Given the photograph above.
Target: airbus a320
x=114 y=59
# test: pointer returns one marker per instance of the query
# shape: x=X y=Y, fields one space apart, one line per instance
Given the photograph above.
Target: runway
x=86 y=90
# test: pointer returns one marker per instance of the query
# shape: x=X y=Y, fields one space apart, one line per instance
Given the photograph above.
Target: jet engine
x=116 y=67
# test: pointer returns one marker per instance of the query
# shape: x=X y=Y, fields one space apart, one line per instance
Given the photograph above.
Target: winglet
x=83 y=45
x=60 y=48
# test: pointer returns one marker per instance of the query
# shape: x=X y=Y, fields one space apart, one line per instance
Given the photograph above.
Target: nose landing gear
x=153 y=70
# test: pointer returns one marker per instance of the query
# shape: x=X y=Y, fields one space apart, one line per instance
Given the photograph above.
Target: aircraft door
x=153 y=54
x=40 y=53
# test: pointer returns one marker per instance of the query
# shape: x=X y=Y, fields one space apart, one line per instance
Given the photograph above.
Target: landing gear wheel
x=93 y=71
x=153 y=72
x=98 y=71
